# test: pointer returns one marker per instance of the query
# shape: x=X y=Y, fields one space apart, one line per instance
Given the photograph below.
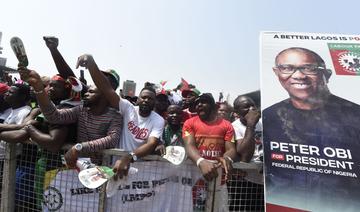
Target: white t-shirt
x=253 y=175
x=16 y=116
x=137 y=129
x=5 y=114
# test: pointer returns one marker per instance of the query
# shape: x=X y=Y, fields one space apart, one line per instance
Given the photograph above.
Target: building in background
x=129 y=88
x=2 y=61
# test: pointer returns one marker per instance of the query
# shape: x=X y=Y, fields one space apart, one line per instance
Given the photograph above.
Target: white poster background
x=271 y=90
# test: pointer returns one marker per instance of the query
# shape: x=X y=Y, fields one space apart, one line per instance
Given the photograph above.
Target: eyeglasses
x=305 y=69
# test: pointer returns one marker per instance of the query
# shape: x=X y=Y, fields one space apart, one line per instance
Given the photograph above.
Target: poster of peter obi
x=311 y=119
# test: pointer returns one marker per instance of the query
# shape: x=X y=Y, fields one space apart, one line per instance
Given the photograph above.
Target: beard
x=145 y=109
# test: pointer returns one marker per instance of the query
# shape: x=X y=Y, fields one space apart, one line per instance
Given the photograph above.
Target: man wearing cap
x=142 y=126
x=161 y=104
x=315 y=119
x=189 y=97
x=208 y=137
x=209 y=143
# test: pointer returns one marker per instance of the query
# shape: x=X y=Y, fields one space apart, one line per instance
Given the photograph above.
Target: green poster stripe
x=355 y=47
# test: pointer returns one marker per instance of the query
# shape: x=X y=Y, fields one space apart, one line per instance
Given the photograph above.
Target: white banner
x=157 y=186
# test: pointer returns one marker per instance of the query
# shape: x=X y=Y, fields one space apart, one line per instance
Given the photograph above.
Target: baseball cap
x=206 y=97
x=3 y=88
x=58 y=77
x=114 y=76
x=184 y=93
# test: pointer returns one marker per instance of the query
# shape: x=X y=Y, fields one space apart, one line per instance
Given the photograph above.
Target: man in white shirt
x=142 y=127
x=17 y=97
x=248 y=130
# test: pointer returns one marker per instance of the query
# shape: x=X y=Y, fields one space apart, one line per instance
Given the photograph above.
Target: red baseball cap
x=3 y=88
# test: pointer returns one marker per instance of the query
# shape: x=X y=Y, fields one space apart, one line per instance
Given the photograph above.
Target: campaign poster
x=311 y=119
x=157 y=186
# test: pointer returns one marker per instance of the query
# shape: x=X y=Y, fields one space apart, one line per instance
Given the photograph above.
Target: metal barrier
x=36 y=181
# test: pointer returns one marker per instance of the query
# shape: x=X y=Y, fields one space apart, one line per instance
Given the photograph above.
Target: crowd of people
x=43 y=114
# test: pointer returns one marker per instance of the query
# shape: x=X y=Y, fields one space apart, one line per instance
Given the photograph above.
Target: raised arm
x=53 y=115
x=33 y=78
x=101 y=82
x=61 y=65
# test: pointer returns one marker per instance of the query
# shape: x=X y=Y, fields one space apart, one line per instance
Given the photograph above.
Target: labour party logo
x=346 y=58
x=53 y=199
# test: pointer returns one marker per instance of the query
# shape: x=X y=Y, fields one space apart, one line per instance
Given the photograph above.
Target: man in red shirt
x=209 y=140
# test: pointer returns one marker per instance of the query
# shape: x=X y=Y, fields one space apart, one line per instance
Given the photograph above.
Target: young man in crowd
x=208 y=137
x=161 y=104
x=224 y=111
x=17 y=97
x=248 y=131
x=99 y=126
x=142 y=126
x=209 y=143
x=172 y=134
x=189 y=106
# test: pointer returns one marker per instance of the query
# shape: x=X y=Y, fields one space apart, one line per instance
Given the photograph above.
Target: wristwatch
x=134 y=157
x=78 y=147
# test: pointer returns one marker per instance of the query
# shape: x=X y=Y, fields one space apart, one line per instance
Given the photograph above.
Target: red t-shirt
x=210 y=137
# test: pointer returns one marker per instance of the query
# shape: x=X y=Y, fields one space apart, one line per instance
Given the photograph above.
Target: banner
x=157 y=186
x=311 y=121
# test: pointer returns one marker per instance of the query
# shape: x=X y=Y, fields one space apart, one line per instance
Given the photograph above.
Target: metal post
x=102 y=195
x=8 y=183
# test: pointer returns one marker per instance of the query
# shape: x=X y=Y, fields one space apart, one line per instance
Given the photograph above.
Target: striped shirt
x=95 y=132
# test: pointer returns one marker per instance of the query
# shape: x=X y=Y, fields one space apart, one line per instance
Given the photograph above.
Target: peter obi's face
x=299 y=85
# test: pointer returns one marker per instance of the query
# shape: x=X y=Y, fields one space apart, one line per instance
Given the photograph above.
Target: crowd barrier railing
x=29 y=185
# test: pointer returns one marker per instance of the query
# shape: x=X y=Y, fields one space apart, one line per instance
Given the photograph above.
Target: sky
x=212 y=44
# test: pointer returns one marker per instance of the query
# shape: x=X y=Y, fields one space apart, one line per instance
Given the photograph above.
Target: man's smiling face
x=300 y=86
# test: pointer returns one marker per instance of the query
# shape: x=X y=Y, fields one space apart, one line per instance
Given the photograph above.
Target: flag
x=163 y=82
x=161 y=87
x=184 y=85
